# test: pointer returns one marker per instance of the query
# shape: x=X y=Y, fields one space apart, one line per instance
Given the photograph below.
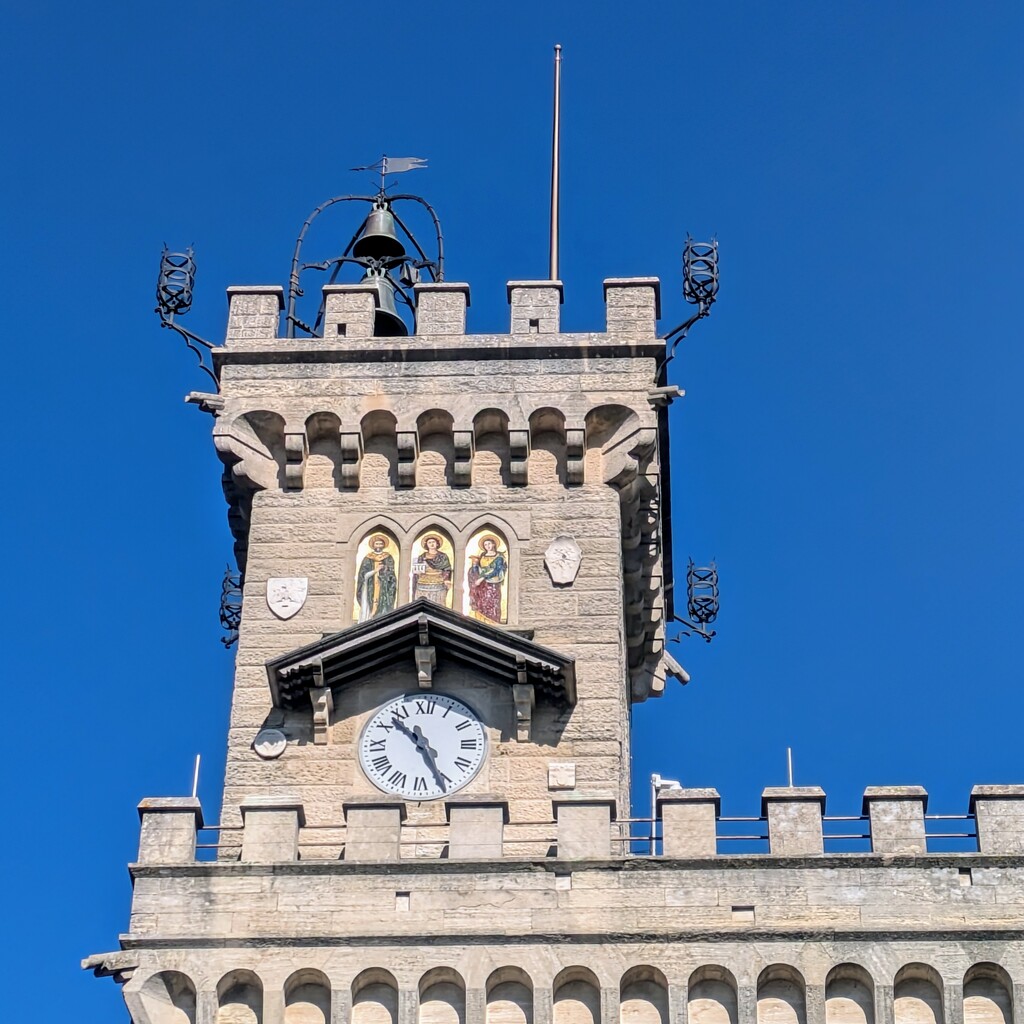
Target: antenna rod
x=556 y=133
x=789 y=765
x=195 y=778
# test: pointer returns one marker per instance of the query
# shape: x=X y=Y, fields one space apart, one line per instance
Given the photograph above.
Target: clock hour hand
x=422 y=745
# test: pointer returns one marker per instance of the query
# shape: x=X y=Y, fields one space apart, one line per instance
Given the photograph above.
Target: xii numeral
x=425 y=707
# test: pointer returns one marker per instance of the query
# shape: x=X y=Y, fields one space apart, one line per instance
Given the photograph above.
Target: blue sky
x=848 y=448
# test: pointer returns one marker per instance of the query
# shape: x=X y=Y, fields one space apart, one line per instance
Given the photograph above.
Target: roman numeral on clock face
x=461 y=762
x=464 y=724
x=469 y=744
x=425 y=707
x=397 y=778
x=376 y=745
x=382 y=763
x=419 y=784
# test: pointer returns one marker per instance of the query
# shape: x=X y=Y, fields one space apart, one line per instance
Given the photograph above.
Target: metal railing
x=630 y=837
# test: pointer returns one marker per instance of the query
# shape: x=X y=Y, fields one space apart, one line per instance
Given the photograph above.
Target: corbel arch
x=251 y=446
x=379 y=432
x=323 y=439
x=435 y=429
x=547 y=446
x=491 y=462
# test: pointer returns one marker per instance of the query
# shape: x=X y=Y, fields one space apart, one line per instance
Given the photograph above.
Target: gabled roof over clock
x=426 y=634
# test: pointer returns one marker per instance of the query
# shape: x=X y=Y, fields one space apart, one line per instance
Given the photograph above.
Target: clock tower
x=456 y=575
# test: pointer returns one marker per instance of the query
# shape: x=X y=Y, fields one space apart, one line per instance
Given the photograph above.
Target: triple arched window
x=471 y=577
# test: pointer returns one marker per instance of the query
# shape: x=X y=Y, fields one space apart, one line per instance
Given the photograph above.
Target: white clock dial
x=422 y=746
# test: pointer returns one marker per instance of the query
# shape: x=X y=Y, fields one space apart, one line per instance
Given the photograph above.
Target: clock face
x=422 y=746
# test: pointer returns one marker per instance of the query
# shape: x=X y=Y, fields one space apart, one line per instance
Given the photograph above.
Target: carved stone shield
x=286 y=595
x=562 y=559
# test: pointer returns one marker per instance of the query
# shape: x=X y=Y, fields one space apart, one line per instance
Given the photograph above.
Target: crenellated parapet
x=688 y=826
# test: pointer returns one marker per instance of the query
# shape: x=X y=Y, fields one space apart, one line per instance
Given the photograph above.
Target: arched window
x=442 y=997
x=375 y=998
x=849 y=996
x=577 y=997
x=376 y=576
x=240 y=999
x=307 y=998
x=712 y=996
x=780 y=996
x=643 y=996
x=987 y=997
x=917 y=995
x=487 y=571
x=509 y=997
x=169 y=998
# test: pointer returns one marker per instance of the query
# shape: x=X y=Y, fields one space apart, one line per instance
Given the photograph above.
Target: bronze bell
x=379 y=240
x=386 y=321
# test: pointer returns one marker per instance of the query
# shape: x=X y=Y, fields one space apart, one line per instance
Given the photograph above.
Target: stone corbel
x=519 y=456
x=426 y=662
x=462 y=470
x=351 y=458
x=408 y=450
x=249 y=466
x=575 y=449
x=323 y=708
x=525 y=699
x=296 y=449
x=623 y=458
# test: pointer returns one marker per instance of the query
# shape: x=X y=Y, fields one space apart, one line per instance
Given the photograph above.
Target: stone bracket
x=462 y=470
x=408 y=452
x=296 y=450
x=575 y=449
x=351 y=457
x=519 y=456
x=426 y=662
x=525 y=700
x=323 y=708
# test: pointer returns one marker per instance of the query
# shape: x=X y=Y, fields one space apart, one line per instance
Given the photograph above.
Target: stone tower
x=456 y=566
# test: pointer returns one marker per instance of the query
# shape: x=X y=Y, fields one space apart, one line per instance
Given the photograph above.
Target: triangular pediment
x=419 y=635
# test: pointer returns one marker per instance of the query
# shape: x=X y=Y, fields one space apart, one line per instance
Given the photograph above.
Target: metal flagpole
x=556 y=131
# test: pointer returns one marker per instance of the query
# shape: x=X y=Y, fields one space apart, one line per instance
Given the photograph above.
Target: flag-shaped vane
x=395 y=164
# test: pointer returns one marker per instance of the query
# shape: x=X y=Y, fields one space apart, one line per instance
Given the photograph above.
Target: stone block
x=441 y=307
x=999 y=816
x=689 y=820
x=794 y=819
x=583 y=827
x=632 y=304
x=168 y=830
x=254 y=312
x=373 y=830
x=270 y=833
x=476 y=829
x=349 y=311
x=896 y=814
x=535 y=306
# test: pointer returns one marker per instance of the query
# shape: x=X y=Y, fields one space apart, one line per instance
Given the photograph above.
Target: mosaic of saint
x=432 y=568
x=487 y=577
x=376 y=577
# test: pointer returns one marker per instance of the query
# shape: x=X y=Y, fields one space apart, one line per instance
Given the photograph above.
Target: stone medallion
x=562 y=559
x=270 y=743
x=286 y=595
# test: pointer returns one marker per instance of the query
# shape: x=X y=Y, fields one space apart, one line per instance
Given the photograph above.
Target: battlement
x=688 y=825
x=632 y=308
